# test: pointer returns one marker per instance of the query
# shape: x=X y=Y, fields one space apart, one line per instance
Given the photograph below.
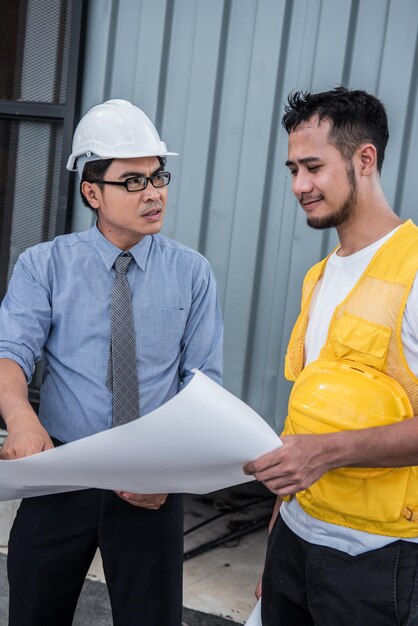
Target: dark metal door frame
x=65 y=114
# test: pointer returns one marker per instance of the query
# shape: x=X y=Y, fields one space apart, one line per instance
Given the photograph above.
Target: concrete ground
x=219 y=580
x=94 y=607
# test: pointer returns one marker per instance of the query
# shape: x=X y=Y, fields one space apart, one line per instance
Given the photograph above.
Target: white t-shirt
x=340 y=276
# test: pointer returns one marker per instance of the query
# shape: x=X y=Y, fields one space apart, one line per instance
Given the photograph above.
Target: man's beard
x=345 y=211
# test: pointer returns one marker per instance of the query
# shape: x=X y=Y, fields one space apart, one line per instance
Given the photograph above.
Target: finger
x=258 y=466
x=273 y=473
x=258 y=589
x=287 y=490
x=124 y=495
x=251 y=469
x=145 y=505
x=282 y=488
x=266 y=460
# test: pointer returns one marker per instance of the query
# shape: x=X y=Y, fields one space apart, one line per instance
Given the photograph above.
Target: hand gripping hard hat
x=330 y=396
x=116 y=129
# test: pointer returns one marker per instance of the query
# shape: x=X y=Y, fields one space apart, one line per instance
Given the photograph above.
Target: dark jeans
x=54 y=539
x=310 y=585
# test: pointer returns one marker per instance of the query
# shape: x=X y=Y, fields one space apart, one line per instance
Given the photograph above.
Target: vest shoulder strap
x=397 y=260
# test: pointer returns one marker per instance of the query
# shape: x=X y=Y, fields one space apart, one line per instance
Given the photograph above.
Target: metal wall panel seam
x=150 y=68
x=111 y=48
x=99 y=24
x=385 y=30
x=352 y=27
x=409 y=207
x=214 y=124
x=400 y=43
x=229 y=146
x=367 y=51
x=266 y=200
x=199 y=109
x=165 y=56
x=406 y=135
x=240 y=153
x=253 y=164
x=270 y=335
x=176 y=109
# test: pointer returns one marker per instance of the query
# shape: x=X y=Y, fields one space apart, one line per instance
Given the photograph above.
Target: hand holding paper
x=197 y=442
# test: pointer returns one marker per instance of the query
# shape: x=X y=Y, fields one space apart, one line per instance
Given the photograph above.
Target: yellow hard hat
x=330 y=396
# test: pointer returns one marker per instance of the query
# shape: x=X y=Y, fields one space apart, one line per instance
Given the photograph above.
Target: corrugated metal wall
x=213 y=75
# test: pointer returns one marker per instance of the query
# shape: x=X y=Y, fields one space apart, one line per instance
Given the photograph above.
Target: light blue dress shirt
x=58 y=303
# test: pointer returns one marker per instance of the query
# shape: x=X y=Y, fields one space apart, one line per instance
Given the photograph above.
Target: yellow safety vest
x=366 y=329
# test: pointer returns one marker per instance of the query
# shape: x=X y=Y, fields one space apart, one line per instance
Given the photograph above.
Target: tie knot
x=122 y=262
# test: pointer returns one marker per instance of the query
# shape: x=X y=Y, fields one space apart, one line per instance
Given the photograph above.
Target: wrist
x=21 y=418
x=338 y=449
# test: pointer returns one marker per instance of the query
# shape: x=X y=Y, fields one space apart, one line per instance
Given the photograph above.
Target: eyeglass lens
x=160 y=179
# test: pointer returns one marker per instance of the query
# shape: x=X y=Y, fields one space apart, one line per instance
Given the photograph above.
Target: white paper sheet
x=195 y=443
x=255 y=617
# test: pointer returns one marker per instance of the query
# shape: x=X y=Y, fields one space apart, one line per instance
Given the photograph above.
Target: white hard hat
x=116 y=129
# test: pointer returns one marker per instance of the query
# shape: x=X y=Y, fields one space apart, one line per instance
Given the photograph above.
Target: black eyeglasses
x=138 y=183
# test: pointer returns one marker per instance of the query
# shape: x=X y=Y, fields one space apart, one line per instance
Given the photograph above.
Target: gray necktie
x=122 y=376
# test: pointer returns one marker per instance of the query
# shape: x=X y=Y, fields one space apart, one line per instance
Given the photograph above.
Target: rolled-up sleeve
x=25 y=316
x=202 y=346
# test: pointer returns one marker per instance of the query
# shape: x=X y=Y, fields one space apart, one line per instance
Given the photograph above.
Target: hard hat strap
x=83 y=159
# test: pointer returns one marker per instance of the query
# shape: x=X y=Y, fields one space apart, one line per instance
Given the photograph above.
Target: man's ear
x=367 y=159
x=89 y=191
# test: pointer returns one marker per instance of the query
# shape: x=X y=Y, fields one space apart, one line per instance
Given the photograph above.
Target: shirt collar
x=109 y=252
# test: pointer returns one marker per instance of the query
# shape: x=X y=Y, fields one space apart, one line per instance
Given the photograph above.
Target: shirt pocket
x=160 y=335
x=359 y=340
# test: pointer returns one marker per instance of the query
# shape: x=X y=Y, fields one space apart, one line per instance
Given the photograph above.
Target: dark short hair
x=95 y=170
x=355 y=116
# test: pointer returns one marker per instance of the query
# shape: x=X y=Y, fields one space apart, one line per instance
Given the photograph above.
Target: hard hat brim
x=71 y=163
